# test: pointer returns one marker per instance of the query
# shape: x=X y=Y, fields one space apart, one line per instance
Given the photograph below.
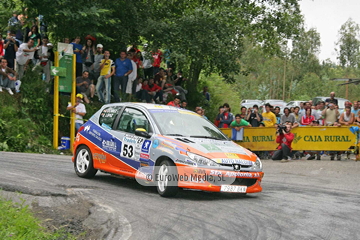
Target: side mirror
x=142 y=133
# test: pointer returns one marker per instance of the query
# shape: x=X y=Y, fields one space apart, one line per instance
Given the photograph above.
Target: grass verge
x=18 y=222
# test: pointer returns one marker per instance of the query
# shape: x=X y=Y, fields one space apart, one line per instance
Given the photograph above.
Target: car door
x=108 y=146
x=133 y=148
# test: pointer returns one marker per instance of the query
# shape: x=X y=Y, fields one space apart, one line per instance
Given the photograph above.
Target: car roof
x=148 y=106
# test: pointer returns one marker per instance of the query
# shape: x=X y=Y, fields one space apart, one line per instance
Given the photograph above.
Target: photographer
x=284 y=137
x=253 y=116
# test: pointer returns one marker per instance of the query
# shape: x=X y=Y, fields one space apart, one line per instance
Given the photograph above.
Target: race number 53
x=127 y=151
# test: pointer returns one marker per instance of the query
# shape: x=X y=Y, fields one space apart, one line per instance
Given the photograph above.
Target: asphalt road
x=300 y=200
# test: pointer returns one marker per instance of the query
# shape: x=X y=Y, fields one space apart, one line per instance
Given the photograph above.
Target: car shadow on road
x=184 y=194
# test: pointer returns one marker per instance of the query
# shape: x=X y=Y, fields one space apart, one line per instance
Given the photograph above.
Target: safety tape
x=62 y=115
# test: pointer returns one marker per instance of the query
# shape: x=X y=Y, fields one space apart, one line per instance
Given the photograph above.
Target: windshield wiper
x=174 y=134
x=210 y=137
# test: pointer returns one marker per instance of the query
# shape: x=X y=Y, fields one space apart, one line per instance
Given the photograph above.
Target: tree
x=304 y=54
x=208 y=35
x=348 y=44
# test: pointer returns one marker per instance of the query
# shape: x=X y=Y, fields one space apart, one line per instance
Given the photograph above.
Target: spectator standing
x=347 y=117
x=157 y=61
x=217 y=119
x=44 y=54
x=79 y=110
x=19 y=29
x=175 y=102
x=297 y=115
x=332 y=99
x=13 y=21
x=226 y=117
x=287 y=117
x=284 y=138
x=307 y=119
x=35 y=35
x=277 y=114
x=254 y=117
x=77 y=48
x=11 y=47
x=330 y=115
x=1 y=46
x=355 y=109
x=147 y=63
x=97 y=59
x=24 y=55
x=243 y=112
x=7 y=77
x=85 y=86
x=123 y=67
x=206 y=93
x=88 y=57
x=107 y=69
x=269 y=118
x=132 y=76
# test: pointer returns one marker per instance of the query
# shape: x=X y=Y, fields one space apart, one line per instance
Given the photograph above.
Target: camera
x=280 y=128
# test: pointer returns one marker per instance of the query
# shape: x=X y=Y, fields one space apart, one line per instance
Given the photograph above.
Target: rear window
x=108 y=116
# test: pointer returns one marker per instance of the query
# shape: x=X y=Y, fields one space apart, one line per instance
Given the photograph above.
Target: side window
x=132 y=119
x=108 y=115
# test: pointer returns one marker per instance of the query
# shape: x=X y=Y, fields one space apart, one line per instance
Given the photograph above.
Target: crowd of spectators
x=134 y=75
x=323 y=113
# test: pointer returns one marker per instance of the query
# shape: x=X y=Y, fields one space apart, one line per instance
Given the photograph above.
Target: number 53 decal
x=127 y=151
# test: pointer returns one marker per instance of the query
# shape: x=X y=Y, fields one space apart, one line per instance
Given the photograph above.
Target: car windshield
x=185 y=123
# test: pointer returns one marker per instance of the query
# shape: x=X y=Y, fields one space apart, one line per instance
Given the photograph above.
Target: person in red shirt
x=152 y=91
x=307 y=118
x=157 y=61
x=1 y=46
x=284 y=138
x=176 y=102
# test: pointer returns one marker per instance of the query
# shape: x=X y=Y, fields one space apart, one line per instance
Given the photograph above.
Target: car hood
x=225 y=152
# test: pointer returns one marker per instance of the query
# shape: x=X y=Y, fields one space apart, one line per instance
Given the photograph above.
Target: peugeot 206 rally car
x=170 y=147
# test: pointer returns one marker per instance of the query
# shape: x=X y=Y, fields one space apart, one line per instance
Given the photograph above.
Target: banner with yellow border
x=306 y=138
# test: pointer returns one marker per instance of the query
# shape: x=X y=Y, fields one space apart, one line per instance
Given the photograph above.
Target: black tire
x=83 y=163
x=163 y=188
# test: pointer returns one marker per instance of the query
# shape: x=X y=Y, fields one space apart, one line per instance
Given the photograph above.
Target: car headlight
x=202 y=161
x=257 y=165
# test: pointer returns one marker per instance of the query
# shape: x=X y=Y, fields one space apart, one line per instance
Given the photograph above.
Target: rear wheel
x=167 y=185
x=84 y=163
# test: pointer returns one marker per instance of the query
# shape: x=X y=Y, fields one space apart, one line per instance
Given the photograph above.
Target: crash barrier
x=316 y=138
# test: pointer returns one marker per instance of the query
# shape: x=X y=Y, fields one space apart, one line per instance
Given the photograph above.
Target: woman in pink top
x=308 y=118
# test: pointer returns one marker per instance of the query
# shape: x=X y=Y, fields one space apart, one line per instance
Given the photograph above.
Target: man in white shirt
x=23 y=56
x=132 y=75
x=147 y=63
x=79 y=110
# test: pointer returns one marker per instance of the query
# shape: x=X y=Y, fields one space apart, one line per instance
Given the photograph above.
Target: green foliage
x=17 y=222
x=26 y=118
x=349 y=44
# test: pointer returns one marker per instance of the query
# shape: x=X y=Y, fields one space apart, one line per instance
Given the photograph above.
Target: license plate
x=232 y=188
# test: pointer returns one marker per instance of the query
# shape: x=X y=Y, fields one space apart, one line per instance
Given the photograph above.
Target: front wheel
x=84 y=163
x=166 y=182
